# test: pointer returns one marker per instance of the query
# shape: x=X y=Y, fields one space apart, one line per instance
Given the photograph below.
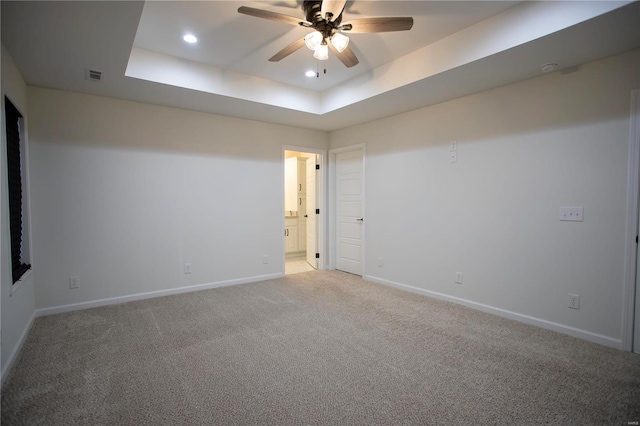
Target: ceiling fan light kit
x=316 y=42
x=322 y=52
x=313 y=40
x=340 y=42
x=325 y=17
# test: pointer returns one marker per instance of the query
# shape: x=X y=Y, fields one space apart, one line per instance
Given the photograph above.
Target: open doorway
x=302 y=218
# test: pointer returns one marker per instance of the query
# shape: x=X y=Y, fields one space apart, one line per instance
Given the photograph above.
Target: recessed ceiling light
x=190 y=38
x=310 y=73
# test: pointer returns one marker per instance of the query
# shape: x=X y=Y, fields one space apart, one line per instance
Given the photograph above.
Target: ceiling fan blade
x=287 y=50
x=334 y=7
x=273 y=16
x=347 y=57
x=378 y=25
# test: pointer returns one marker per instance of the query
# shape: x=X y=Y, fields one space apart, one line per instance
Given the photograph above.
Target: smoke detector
x=551 y=66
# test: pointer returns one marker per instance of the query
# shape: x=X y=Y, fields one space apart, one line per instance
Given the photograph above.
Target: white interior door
x=312 y=247
x=349 y=210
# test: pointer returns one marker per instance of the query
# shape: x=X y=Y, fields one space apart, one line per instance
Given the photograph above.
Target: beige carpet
x=312 y=348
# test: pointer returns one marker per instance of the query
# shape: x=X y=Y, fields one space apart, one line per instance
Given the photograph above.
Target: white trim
x=549 y=325
x=152 y=294
x=630 y=289
x=331 y=207
x=15 y=286
x=27 y=246
x=6 y=368
x=320 y=201
x=115 y=300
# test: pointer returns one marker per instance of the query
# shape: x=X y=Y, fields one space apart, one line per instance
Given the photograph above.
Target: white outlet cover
x=574 y=301
x=458 y=277
x=453 y=146
x=187 y=268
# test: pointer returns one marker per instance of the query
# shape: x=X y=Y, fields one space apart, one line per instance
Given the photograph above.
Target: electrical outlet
x=453 y=146
x=380 y=262
x=187 y=268
x=458 y=277
x=74 y=282
x=265 y=259
x=574 y=301
x=453 y=156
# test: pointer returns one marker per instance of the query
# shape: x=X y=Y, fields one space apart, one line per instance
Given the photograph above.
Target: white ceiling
x=453 y=49
x=244 y=44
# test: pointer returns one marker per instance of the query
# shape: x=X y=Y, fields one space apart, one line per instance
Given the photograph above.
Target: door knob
x=306 y=215
x=360 y=220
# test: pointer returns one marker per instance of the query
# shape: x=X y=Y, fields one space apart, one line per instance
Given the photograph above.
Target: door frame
x=332 y=235
x=311 y=169
x=320 y=200
x=631 y=288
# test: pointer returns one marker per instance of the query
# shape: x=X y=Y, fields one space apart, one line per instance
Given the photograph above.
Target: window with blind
x=17 y=205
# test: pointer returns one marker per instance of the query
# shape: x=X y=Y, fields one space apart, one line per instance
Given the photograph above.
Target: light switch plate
x=572 y=214
x=74 y=282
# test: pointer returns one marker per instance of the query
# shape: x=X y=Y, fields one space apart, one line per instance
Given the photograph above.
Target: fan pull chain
x=324 y=67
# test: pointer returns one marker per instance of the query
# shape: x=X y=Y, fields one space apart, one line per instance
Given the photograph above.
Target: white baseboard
x=140 y=296
x=549 y=325
x=16 y=349
x=572 y=331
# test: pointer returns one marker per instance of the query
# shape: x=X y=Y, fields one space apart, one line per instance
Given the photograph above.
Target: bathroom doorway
x=303 y=214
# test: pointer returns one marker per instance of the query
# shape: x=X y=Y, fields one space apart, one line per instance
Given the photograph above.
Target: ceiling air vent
x=94 y=75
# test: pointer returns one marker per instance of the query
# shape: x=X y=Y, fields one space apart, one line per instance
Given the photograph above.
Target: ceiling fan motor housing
x=313 y=13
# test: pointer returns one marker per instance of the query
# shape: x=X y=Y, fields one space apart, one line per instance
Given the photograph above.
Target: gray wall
x=124 y=194
x=523 y=151
x=17 y=308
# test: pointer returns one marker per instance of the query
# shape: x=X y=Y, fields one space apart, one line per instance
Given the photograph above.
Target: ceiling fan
x=325 y=17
